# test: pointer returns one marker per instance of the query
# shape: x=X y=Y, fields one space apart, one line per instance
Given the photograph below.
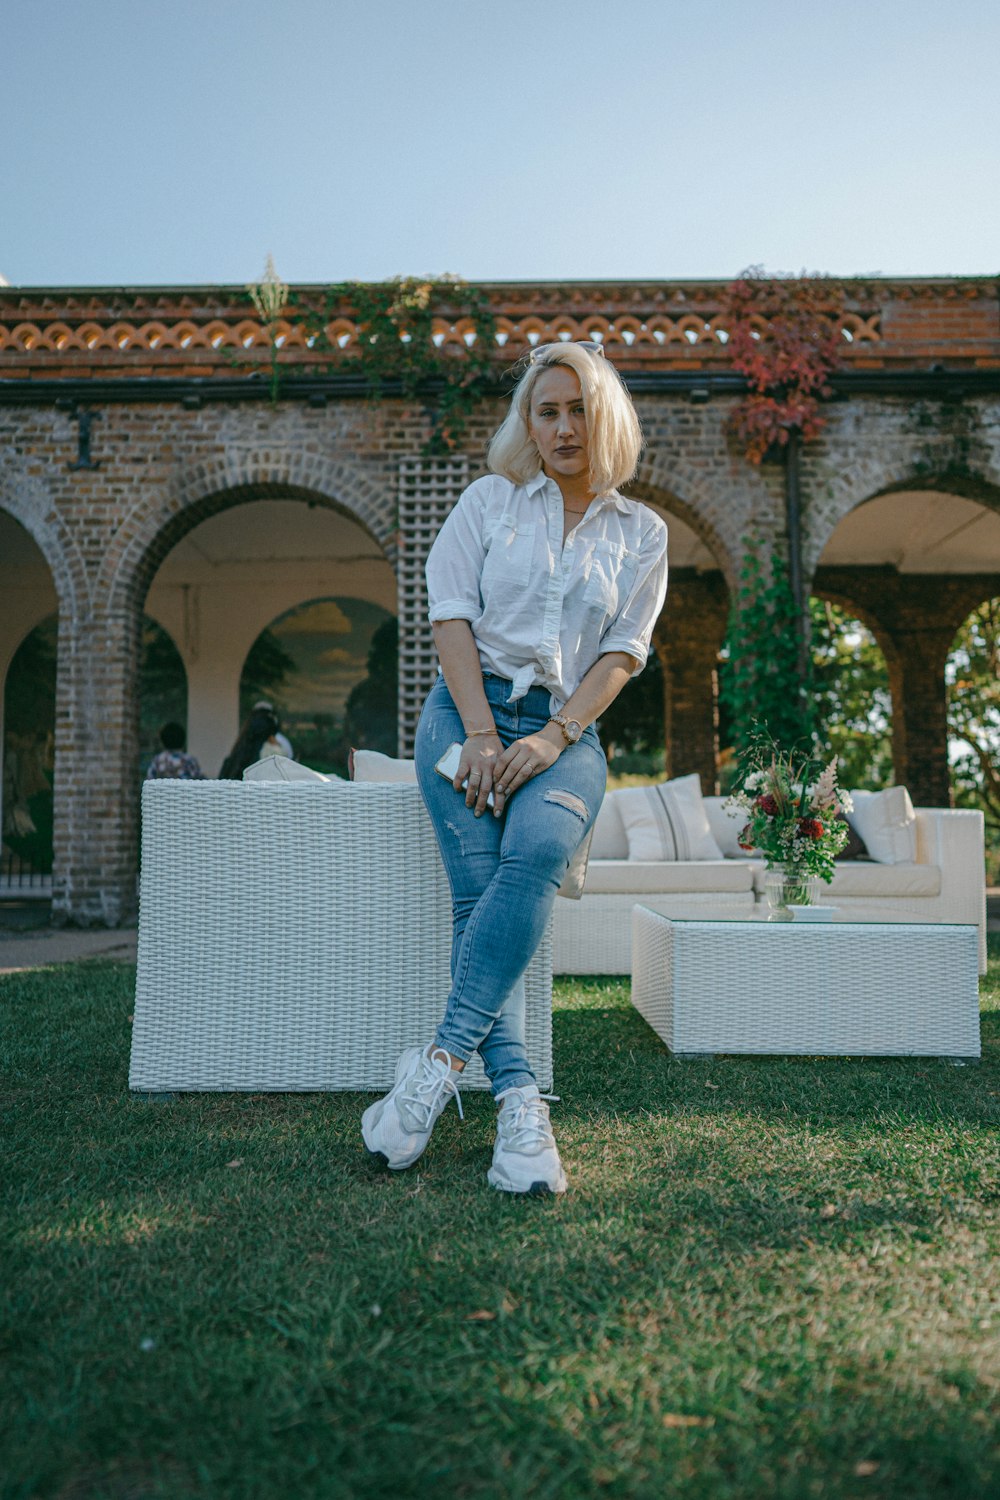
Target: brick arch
x=27 y=502
x=844 y=598
x=160 y=518
x=869 y=477
x=667 y=498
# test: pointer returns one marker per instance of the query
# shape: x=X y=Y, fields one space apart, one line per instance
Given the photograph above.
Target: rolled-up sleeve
x=631 y=630
x=455 y=562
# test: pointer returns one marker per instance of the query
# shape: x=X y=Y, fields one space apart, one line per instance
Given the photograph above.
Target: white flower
x=846 y=802
x=753 y=781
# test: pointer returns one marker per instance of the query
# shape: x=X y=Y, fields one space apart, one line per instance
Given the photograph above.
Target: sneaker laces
x=527 y=1124
x=424 y=1092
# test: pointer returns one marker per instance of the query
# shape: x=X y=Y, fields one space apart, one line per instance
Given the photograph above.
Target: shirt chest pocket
x=511 y=545
x=610 y=575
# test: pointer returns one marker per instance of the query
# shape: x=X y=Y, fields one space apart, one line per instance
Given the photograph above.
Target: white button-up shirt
x=542 y=610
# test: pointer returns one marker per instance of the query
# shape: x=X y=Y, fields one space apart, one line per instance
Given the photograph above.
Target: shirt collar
x=541 y=479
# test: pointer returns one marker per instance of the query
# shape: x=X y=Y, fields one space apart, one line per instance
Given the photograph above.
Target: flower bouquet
x=794 y=818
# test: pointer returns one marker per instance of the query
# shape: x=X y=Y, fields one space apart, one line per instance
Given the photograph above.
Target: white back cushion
x=887 y=824
x=609 y=841
x=372 y=765
x=667 y=821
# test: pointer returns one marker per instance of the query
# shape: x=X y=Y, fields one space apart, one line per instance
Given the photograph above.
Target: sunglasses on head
x=590 y=344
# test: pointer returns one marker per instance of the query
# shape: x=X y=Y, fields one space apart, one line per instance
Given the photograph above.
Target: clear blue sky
x=179 y=141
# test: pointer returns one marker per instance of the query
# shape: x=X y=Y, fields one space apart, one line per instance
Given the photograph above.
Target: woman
x=544 y=585
x=260 y=727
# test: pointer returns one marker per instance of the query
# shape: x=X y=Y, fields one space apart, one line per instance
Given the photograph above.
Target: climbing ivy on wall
x=785 y=337
x=759 y=677
x=399 y=341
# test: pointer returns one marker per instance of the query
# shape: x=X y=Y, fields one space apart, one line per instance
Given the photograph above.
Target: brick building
x=144 y=468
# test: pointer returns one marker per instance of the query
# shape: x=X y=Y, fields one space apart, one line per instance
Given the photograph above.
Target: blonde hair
x=614 y=437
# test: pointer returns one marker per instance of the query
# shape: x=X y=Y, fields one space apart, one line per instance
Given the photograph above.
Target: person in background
x=278 y=744
x=173 y=760
x=544 y=586
x=259 y=728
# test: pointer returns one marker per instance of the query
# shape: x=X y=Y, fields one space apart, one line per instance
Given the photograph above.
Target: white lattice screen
x=428 y=489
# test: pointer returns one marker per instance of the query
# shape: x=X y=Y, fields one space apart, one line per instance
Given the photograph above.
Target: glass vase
x=786 y=886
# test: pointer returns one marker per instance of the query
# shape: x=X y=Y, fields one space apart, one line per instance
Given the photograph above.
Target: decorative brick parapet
x=214 y=331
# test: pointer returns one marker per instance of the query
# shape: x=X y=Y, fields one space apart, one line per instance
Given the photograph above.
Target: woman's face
x=558 y=424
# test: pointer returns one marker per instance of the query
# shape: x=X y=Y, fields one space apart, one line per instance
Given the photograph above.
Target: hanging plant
x=785 y=337
x=399 y=341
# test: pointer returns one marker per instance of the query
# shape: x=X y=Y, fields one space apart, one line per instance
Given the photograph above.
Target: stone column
x=97 y=770
x=920 y=713
x=688 y=637
x=919 y=616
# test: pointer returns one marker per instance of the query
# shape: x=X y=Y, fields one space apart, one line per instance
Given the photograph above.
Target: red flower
x=767 y=804
x=810 y=828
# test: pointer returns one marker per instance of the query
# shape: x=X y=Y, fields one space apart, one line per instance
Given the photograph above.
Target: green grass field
x=770 y=1278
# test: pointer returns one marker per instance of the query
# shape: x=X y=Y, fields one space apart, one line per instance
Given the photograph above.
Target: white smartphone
x=448 y=765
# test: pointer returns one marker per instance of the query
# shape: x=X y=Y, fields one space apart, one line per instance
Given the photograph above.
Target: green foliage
x=973 y=675
x=759 y=675
x=399 y=342
x=853 y=703
x=632 y=729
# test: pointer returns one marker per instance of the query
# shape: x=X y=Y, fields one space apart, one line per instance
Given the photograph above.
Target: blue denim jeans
x=504 y=872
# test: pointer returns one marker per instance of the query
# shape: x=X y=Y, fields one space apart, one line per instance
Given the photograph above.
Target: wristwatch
x=571 y=728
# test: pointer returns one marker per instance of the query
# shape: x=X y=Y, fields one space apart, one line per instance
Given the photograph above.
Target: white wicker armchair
x=295 y=936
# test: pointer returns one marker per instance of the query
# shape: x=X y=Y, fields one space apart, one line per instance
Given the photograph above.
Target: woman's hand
x=520 y=761
x=478 y=766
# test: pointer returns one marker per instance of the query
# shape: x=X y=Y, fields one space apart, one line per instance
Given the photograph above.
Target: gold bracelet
x=472 y=734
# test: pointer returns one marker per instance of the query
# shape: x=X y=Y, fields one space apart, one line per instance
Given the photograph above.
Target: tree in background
x=632 y=730
x=973 y=676
x=853 y=702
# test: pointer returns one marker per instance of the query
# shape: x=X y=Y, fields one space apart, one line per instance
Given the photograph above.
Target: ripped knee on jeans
x=569 y=800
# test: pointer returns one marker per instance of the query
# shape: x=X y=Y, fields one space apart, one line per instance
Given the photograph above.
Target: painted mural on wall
x=330 y=668
x=29 y=753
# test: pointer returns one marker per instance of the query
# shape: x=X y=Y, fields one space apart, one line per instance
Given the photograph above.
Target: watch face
x=573 y=731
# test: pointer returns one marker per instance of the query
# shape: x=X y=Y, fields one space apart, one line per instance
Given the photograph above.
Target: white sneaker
x=399 y=1126
x=525 y=1158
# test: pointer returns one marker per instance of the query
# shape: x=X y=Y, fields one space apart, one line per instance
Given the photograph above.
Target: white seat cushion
x=612 y=877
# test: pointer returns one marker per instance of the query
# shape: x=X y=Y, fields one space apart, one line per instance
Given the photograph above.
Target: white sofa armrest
x=954 y=840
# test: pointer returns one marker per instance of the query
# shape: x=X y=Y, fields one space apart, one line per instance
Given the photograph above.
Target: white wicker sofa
x=295 y=935
x=943 y=882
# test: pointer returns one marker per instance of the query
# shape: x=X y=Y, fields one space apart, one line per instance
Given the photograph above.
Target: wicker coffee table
x=841 y=988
